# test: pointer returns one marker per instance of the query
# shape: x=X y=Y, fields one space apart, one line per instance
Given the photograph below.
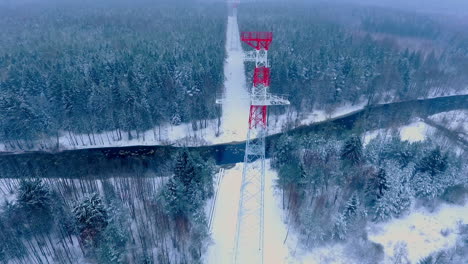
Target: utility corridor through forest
x=234 y=122
x=235 y=125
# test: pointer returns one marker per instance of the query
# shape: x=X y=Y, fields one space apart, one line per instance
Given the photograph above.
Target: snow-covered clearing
x=235 y=107
x=455 y=121
x=424 y=232
x=413 y=132
x=281 y=245
x=225 y=220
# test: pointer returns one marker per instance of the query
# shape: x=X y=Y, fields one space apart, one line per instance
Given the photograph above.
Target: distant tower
x=250 y=223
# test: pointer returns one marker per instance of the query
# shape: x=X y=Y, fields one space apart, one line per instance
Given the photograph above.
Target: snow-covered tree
x=434 y=163
x=92 y=218
x=340 y=228
x=34 y=201
x=191 y=184
x=352 y=150
x=400 y=253
x=397 y=199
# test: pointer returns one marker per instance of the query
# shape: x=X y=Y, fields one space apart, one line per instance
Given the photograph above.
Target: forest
x=118 y=69
x=144 y=217
x=332 y=187
x=325 y=55
x=91 y=67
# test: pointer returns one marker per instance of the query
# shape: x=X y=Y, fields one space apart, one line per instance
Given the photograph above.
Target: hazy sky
x=434 y=6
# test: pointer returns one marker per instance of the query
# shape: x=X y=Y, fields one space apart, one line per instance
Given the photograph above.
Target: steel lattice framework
x=250 y=221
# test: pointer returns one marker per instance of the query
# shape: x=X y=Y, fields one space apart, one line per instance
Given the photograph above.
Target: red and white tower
x=249 y=231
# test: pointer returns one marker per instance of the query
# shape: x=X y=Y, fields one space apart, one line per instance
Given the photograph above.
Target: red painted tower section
x=258 y=116
x=257 y=40
x=258 y=113
x=261 y=76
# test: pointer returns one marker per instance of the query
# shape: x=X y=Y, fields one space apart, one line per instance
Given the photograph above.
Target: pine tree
x=351 y=207
x=92 y=218
x=352 y=150
x=191 y=184
x=397 y=199
x=34 y=201
x=400 y=253
x=340 y=228
x=284 y=151
x=434 y=163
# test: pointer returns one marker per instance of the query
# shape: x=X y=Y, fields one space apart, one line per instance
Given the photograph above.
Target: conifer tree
x=352 y=150
x=92 y=218
x=34 y=201
x=434 y=163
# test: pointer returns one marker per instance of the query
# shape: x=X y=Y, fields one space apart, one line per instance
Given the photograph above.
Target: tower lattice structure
x=249 y=238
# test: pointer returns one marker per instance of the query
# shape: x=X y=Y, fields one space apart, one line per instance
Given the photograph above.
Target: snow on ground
x=277 y=123
x=280 y=244
x=435 y=92
x=235 y=108
x=225 y=220
x=424 y=232
x=414 y=132
x=234 y=128
x=456 y=120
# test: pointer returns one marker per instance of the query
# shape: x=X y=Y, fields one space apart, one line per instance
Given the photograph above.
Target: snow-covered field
x=419 y=130
x=423 y=232
x=225 y=220
x=413 y=132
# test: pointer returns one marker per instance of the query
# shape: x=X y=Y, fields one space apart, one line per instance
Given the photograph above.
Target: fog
x=458 y=7
x=433 y=6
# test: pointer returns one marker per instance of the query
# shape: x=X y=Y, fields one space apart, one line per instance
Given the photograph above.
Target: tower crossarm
x=257 y=40
x=269 y=99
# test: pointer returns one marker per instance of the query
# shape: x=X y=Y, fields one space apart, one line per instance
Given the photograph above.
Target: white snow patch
x=326 y=255
x=370 y=135
x=414 y=132
x=423 y=232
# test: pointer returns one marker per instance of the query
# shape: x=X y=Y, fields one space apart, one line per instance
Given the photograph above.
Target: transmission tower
x=250 y=222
